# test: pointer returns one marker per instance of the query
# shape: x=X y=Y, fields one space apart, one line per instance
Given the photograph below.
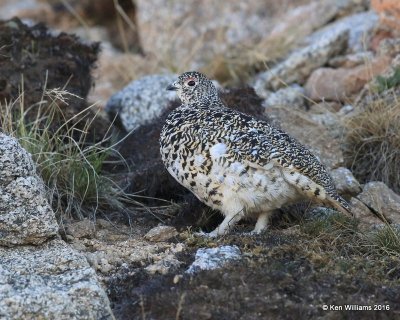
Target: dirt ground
x=289 y=272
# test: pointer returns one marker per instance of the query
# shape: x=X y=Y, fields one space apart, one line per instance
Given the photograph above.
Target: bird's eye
x=191 y=83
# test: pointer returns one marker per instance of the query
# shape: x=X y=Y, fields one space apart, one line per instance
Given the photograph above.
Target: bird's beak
x=172 y=87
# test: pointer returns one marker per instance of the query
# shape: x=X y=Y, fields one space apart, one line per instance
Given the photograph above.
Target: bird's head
x=194 y=87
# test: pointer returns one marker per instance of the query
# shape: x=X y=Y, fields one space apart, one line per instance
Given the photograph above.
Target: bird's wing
x=240 y=137
x=261 y=145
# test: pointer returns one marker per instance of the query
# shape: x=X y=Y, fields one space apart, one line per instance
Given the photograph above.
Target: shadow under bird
x=235 y=163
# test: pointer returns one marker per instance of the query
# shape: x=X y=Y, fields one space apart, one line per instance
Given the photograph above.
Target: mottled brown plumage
x=235 y=163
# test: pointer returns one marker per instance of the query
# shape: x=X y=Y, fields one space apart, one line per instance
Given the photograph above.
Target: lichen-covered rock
x=348 y=33
x=107 y=257
x=165 y=265
x=161 y=233
x=359 y=27
x=292 y=96
x=84 y=228
x=15 y=161
x=141 y=101
x=382 y=199
x=346 y=184
x=40 y=277
x=351 y=60
x=51 y=281
x=213 y=258
x=299 y=64
x=25 y=214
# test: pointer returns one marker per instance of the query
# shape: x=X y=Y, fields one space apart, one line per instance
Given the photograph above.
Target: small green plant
x=383 y=84
x=68 y=161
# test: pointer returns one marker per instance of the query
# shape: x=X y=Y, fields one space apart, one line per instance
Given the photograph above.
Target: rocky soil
x=327 y=72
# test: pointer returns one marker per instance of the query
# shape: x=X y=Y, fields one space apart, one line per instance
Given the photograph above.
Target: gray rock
x=310 y=133
x=351 y=60
x=345 y=110
x=25 y=214
x=359 y=27
x=299 y=64
x=165 y=265
x=213 y=258
x=50 y=281
x=326 y=116
x=161 y=233
x=317 y=14
x=346 y=184
x=11 y=8
x=382 y=199
x=81 y=229
x=201 y=30
x=292 y=96
x=367 y=219
x=348 y=32
x=328 y=120
x=14 y=160
x=40 y=278
x=141 y=101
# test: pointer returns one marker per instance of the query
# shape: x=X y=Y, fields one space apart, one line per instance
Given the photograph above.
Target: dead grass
x=342 y=234
x=68 y=161
x=385 y=240
x=336 y=244
x=372 y=142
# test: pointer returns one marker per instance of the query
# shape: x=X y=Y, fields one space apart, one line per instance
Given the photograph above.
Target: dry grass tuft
x=372 y=142
x=68 y=160
x=328 y=239
x=385 y=241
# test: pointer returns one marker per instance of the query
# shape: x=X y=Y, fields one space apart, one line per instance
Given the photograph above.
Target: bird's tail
x=340 y=204
x=318 y=193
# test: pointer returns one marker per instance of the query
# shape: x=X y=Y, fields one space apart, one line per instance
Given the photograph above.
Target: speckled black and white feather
x=222 y=155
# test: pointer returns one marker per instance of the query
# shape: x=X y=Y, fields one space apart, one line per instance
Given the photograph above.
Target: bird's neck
x=209 y=102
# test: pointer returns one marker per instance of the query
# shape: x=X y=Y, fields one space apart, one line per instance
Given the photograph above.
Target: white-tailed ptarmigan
x=235 y=163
